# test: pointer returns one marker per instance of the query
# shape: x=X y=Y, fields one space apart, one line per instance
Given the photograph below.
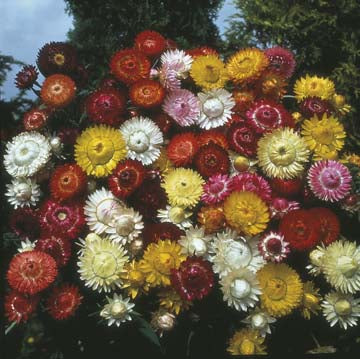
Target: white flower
x=56 y=146
x=341 y=308
x=259 y=320
x=100 y=208
x=117 y=310
x=23 y=192
x=240 y=288
x=26 y=154
x=215 y=108
x=125 y=226
x=176 y=215
x=231 y=251
x=316 y=258
x=143 y=139
x=195 y=242
x=177 y=60
x=26 y=245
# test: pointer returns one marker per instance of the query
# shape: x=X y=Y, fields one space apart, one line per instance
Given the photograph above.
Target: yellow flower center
x=164 y=262
x=100 y=151
x=241 y=163
x=104 y=265
x=244 y=64
x=247 y=347
x=343 y=307
x=282 y=154
x=118 y=309
x=61 y=216
x=211 y=74
x=276 y=289
x=59 y=59
x=323 y=135
x=247 y=215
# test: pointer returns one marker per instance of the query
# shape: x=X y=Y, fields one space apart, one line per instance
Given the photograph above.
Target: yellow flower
x=101 y=263
x=183 y=187
x=246 y=212
x=134 y=279
x=311 y=300
x=246 y=342
x=326 y=134
x=247 y=65
x=172 y=302
x=313 y=86
x=98 y=150
x=339 y=102
x=325 y=153
x=281 y=287
x=352 y=158
x=159 y=258
x=163 y=164
x=209 y=72
x=282 y=153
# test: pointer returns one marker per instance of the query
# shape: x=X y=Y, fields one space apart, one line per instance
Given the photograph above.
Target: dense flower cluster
x=186 y=175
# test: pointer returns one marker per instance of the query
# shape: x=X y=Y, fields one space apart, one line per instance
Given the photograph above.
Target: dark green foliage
x=324 y=34
x=102 y=27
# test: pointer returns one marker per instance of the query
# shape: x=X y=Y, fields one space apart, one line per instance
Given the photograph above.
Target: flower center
x=247 y=347
x=26 y=153
x=343 y=307
x=247 y=215
x=240 y=288
x=59 y=59
x=267 y=117
x=31 y=270
x=216 y=187
x=330 y=178
x=136 y=276
x=241 y=163
x=164 y=262
x=211 y=74
x=213 y=107
x=61 y=216
x=124 y=225
x=104 y=265
x=282 y=154
x=118 y=309
x=276 y=289
x=100 y=151
x=258 y=321
x=197 y=246
x=274 y=245
x=323 y=135
x=139 y=142
x=23 y=192
x=176 y=214
x=237 y=254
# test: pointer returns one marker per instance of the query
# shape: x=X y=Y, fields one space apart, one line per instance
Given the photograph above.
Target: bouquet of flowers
x=179 y=175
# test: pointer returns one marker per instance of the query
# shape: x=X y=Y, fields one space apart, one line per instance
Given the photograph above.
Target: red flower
x=328 y=222
x=25 y=223
x=58 y=91
x=287 y=187
x=154 y=232
x=300 y=228
x=19 y=307
x=35 y=119
x=57 y=247
x=67 y=181
x=215 y=136
x=148 y=198
x=211 y=159
x=146 y=93
x=281 y=61
x=106 y=105
x=164 y=121
x=201 y=51
x=182 y=148
x=126 y=178
x=265 y=116
x=151 y=43
x=64 y=301
x=242 y=139
x=31 y=271
x=252 y=182
x=314 y=106
x=57 y=57
x=130 y=65
x=194 y=279
x=26 y=77
x=62 y=220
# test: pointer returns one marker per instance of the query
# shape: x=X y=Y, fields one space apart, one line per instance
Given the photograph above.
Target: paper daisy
x=171 y=301
x=99 y=209
x=246 y=342
x=23 y=192
x=183 y=187
x=230 y=251
x=26 y=154
x=118 y=310
x=314 y=86
x=178 y=61
x=240 y=288
x=26 y=245
x=259 y=320
x=182 y=106
x=134 y=282
x=143 y=139
x=282 y=154
x=217 y=188
x=341 y=266
x=125 y=225
x=215 y=108
x=281 y=287
x=177 y=215
x=99 y=149
x=311 y=300
x=209 y=72
x=342 y=309
x=195 y=242
x=316 y=260
x=329 y=180
x=273 y=247
x=101 y=264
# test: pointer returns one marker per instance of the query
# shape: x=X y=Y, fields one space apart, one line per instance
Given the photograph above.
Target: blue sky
x=26 y=25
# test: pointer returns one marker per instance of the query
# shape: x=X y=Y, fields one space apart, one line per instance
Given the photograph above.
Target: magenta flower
x=217 y=188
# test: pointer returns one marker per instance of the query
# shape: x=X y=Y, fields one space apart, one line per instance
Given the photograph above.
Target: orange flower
x=147 y=93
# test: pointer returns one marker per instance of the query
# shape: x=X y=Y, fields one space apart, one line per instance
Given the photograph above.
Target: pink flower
x=183 y=106
x=280 y=206
x=273 y=247
x=329 y=180
x=168 y=76
x=217 y=188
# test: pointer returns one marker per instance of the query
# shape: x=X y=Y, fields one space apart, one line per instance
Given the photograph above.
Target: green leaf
x=147 y=331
